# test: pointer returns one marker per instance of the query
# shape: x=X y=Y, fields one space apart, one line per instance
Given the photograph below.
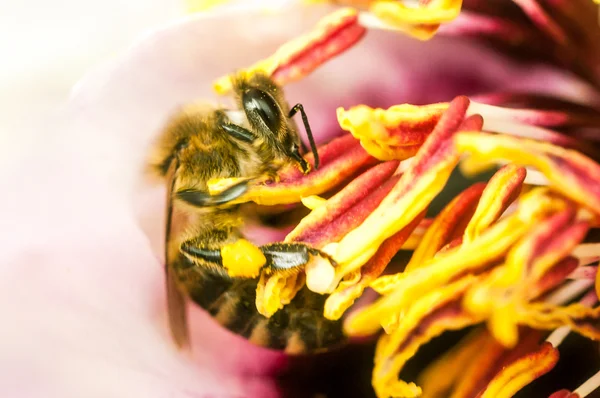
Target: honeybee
x=200 y=144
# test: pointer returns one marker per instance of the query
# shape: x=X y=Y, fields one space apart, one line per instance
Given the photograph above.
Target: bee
x=253 y=141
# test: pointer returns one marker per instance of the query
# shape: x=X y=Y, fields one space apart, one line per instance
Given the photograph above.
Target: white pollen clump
x=319 y=275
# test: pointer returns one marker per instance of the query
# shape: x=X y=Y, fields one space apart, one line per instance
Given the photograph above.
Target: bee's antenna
x=313 y=146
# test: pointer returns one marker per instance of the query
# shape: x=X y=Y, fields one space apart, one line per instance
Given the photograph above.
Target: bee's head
x=277 y=140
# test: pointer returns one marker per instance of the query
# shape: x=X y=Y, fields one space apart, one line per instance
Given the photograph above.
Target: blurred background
x=48 y=46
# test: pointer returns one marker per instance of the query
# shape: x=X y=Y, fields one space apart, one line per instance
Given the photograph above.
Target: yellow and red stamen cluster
x=421 y=21
x=491 y=370
x=296 y=59
x=564 y=33
x=500 y=254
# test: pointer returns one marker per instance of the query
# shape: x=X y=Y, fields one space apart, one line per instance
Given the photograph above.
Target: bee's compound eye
x=258 y=102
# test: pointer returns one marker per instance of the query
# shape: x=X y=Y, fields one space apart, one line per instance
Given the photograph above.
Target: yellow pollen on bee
x=242 y=258
x=218 y=185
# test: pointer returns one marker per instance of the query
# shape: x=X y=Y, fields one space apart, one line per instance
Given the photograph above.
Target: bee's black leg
x=290 y=257
x=224 y=251
x=239 y=132
x=201 y=255
x=281 y=257
x=204 y=199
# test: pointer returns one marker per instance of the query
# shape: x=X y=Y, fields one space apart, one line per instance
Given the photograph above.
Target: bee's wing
x=176 y=306
x=176 y=301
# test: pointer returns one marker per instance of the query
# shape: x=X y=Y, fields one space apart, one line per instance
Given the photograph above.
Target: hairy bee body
x=297 y=328
x=201 y=143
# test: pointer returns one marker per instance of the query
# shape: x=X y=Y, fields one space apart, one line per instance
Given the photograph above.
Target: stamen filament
x=587 y=250
x=589 y=386
x=584 y=272
x=518 y=129
x=569 y=291
x=590 y=299
x=533 y=117
x=560 y=334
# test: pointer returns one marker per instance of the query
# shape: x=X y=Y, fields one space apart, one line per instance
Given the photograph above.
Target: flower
x=488 y=266
x=94 y=261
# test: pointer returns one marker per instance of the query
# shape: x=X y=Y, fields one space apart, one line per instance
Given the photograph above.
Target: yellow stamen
x=494 y=200
x=561 y=166
x=490 y=246
x=313 y=201
x=394 y=350
x=513 y=378
x=393 y=133
x=420 y=22
x=273 y=292
x=439 y=377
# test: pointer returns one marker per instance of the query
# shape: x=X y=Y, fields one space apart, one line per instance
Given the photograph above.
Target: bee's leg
x=290 y=257
x=298 y=328
x=280 y=257
x=204 y=199
x=204 y=250
x=211 y=258
x=224 y=251
x=239 y=132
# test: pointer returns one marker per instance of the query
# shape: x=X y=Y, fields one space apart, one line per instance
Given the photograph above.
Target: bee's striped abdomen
x=297 y=328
